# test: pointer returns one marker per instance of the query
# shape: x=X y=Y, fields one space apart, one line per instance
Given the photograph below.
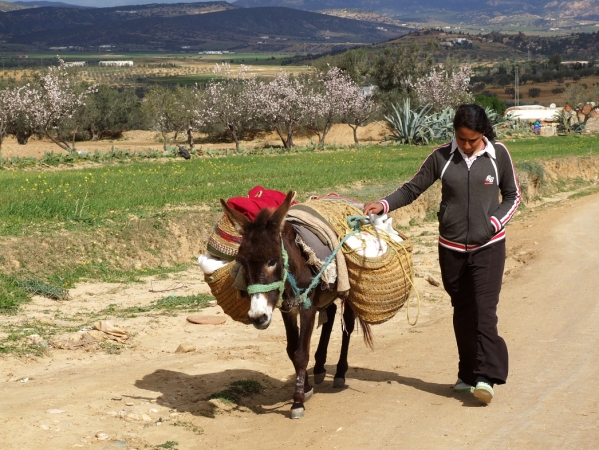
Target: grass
x=198 y=431
x=15 y=335
x=236 y=390
x=94 y=196
x=167 y=305
x=11 y=295
x=16 y=342
x=14 y=292
x=172 y=445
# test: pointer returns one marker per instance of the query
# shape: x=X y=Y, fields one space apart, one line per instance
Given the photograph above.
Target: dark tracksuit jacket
x=471 y=218
x=470 y=214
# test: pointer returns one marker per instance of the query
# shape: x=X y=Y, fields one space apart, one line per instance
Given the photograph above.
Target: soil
x=397 y=396
x=143 y=140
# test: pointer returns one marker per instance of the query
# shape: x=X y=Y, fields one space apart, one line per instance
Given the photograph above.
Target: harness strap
x=277 y=285
x=354 y=222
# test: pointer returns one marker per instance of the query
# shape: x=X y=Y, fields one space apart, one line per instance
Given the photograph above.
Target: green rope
x=277 y=285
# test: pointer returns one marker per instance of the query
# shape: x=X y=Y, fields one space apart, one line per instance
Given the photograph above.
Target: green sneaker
x=483 y=392
x=461 y=387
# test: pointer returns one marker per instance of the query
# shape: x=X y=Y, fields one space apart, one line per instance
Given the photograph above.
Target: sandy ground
x=397 y=396
x=143 y=140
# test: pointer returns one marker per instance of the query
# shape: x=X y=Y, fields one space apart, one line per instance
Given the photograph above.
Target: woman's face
x=469 y=141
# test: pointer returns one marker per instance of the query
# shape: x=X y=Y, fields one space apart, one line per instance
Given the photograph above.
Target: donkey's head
x=261 y=258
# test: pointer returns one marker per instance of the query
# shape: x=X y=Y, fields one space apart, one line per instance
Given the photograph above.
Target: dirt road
x=398 y=396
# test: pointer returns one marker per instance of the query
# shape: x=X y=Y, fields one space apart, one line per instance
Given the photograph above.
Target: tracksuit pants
x=473 y=281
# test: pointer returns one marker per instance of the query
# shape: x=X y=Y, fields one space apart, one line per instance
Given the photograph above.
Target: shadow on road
x=189 y=393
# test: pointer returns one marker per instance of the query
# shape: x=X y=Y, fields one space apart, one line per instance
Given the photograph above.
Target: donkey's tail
x=367 y=332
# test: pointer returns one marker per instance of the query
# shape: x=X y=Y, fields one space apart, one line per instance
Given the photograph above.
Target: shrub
x=491 y=102
x=534 y=92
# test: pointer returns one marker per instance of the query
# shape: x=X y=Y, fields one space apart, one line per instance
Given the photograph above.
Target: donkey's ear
x=238 y=220
x=279 y=215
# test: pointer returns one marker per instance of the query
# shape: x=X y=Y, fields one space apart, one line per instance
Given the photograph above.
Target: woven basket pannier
x=380 y=286
x=228 y=296
x=224 y=240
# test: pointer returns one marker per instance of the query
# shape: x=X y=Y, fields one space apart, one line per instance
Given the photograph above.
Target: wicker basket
x=380 y=286
x=227 y=296
x=224 y=241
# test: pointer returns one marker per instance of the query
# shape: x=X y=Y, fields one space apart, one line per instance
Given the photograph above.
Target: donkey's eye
x=272 y=263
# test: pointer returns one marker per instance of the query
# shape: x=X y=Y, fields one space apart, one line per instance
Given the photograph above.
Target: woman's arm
x=427 y=174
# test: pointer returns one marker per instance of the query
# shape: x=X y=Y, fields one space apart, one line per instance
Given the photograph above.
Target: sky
x=109 y=3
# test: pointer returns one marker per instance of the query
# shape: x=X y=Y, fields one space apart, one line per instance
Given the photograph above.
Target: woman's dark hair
x=474 y=118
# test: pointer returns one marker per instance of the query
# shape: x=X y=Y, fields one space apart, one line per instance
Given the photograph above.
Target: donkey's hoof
x=297 y=413
x=308 y=395
x=319 y=377
x=338 y=382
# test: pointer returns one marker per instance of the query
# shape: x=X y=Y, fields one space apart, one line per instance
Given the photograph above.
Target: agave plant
x=565 y=125
x=441 y=124
x=409 y=126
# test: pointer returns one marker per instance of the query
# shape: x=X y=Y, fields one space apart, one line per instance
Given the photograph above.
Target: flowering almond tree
x=441 y=89
x=284 y=103
x=358 y=110
x=56 y=99
x=18 y=112
x=229 y=103
x=332 y=94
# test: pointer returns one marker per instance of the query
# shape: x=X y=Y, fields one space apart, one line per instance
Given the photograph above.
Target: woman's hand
x=373 y=208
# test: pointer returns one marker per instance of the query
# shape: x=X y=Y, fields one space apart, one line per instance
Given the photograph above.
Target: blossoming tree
x=55 y=99
x=441 y=89
x=284 y=103
x=229 y=103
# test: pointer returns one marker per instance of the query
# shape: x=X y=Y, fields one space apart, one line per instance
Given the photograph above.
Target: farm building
x=533 y=112
x=76 y=64
x=116 y=63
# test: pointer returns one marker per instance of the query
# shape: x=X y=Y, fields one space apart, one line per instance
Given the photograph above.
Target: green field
x=84 y=56
x=32 y=198
x=53 y=220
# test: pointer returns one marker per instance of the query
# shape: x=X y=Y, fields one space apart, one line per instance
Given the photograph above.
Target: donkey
x=267 y=242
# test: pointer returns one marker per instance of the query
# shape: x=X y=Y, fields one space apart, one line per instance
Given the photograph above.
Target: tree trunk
x=190 y=138
x=94 y=134
x=280 y=133
x=164 y=140
x=235 y=138
x=355 y=129
x=62 y=144
x=23 y=137
x=323 y=136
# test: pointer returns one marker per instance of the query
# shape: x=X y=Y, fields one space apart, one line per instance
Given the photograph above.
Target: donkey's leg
x=300 y=361
x=321 y=352
x=349 y=319
x=292 y=332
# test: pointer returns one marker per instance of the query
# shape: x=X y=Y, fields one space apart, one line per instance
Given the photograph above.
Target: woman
x=474 y=170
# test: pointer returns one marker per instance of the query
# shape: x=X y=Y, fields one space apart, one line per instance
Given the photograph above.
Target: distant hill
x=9 y=6
x=267 y=29
x=26 y=21
x=49 y=4
x=488 y=11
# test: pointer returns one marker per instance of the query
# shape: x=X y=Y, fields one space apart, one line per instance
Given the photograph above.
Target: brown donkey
x=269 y=258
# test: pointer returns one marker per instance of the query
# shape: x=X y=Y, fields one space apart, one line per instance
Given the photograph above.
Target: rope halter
x=277 y=285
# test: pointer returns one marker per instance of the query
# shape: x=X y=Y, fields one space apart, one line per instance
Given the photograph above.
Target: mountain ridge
x=556 y=9
x=226 y=29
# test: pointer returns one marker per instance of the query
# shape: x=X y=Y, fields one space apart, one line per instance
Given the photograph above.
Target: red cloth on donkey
x=257 y=198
